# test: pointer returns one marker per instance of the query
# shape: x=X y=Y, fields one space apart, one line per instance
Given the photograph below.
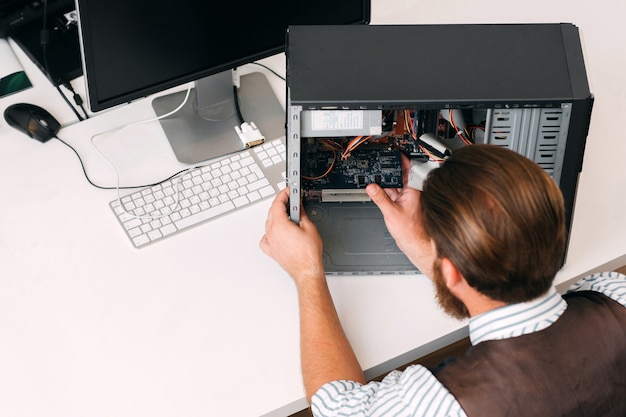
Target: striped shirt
x=417 y=392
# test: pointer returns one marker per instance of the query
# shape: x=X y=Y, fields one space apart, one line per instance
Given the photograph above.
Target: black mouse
x=32 y=120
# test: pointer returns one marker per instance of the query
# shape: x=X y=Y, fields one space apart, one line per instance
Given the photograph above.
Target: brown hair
x=499 y=218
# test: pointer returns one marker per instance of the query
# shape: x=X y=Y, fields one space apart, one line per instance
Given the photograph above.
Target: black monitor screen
x=133 y=48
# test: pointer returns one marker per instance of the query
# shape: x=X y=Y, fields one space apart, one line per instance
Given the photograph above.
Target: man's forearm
x=326 y=354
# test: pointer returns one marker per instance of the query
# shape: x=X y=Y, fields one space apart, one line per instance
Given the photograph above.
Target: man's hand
x=326 y=354
x=297 y=249
x=401 y=211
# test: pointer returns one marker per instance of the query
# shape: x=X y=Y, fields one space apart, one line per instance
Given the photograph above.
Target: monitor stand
x=200 y=132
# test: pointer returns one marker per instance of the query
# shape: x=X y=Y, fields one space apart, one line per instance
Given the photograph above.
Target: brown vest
x=575 y=367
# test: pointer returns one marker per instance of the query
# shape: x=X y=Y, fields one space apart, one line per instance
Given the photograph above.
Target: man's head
x=499 y=218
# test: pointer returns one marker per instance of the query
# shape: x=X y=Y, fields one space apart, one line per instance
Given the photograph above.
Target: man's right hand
x=402 y=214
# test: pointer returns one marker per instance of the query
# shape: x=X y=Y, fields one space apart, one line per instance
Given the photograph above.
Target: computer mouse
x=32 y=120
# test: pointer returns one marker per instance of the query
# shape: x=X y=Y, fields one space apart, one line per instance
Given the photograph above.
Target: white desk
x=204 y=324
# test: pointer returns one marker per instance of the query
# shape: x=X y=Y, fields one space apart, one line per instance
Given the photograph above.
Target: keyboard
x=202 y=194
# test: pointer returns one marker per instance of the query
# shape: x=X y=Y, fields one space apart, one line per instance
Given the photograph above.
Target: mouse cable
x=172 y=208
x=118 y=187
x=179 y=175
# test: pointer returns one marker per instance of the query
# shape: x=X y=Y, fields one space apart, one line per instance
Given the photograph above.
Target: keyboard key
x=168 y=229
x=240 y=201
x=267 y=191
x=141 y=240
x=205 y=215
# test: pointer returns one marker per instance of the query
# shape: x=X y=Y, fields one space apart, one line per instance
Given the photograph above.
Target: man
x=488 y=229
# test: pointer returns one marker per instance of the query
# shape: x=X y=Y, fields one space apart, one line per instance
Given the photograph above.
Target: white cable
x=167 y=114
x=117 y=176
x=154 y=119
x=174 y=206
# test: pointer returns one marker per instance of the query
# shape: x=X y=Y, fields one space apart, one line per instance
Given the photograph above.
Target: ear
x=451 y=275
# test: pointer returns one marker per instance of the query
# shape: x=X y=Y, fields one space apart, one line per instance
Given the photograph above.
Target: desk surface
x=204 y=324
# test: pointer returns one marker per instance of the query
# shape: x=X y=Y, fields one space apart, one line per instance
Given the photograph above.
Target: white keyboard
x=202 y=194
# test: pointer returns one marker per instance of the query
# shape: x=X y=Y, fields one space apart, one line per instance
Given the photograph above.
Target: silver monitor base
x=194 y=138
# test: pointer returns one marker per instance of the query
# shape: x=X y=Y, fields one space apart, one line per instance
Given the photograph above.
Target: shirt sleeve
x=414 y=392
x=611 y=284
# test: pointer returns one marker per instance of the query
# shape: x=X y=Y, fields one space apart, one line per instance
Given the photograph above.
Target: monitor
x=134 y=48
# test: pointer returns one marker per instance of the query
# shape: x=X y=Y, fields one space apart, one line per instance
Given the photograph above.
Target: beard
x=449 y=302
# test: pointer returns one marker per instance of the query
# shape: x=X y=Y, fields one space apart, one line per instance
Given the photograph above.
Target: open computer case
x=358 y=96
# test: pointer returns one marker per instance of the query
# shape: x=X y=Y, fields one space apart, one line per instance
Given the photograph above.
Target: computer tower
x=521 y=86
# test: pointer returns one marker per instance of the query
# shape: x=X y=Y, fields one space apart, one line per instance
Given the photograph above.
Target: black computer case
x=525 y=84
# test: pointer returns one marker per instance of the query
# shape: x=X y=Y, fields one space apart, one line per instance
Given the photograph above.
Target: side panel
x=293 y=160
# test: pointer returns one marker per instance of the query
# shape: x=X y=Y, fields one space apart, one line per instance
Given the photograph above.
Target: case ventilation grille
x=534 y=133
